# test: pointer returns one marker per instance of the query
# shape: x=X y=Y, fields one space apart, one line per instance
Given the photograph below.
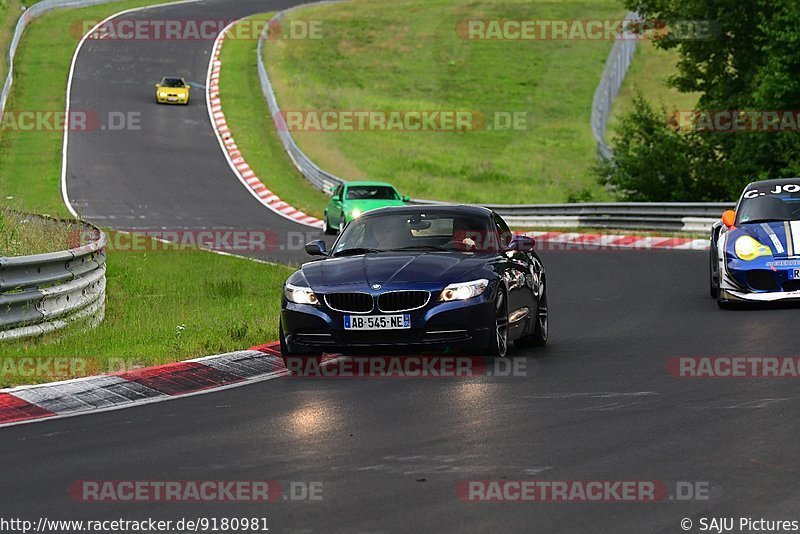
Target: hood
x=782 y=237
x=371 y=204
x=396 y=269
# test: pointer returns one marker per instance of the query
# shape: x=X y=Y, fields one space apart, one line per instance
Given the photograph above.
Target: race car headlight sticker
x=749 y=249
x=162 y=94
x=300 y=295
x=463 y=290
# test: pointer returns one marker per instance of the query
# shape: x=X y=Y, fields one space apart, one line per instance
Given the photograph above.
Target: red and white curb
x=576 y=241
x=234 y=156
x=114 y=391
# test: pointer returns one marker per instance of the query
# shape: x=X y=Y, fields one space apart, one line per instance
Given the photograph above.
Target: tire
x=342 y=223
x=713 y=287
x=326 y=228
x=541 y=328
x=498 y=346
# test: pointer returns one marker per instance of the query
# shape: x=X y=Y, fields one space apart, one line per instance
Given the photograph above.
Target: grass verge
x=21 y=235
x=407 y=56
x=162 y=306
x=251 y=125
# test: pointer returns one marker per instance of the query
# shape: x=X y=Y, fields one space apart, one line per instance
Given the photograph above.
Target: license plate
x=172 y=98
x=377 y=322
x=794 y=274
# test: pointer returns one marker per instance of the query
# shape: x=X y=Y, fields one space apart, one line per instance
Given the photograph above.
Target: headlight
x=355 y=214
x=162 y=94
x=464 y=290
x=300 y=295
x=748 y=248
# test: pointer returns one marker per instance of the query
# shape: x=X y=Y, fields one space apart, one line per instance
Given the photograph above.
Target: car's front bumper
x=180 y=99
x=759 y=281
x=467 y=324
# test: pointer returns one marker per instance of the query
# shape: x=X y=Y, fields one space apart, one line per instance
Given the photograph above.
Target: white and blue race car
x=755 y=250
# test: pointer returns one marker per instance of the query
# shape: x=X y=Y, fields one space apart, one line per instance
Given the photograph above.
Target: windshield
x=172 y=82
x=417 y=231
x=372 y=192
x=779 y=202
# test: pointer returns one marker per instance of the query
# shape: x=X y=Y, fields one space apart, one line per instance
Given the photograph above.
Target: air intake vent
x=349 y=302
x=395 y=301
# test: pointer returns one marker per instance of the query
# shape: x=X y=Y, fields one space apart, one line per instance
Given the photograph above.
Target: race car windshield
x=769 y=205
x=172 y=82
x=372 y=193
x=417 y=232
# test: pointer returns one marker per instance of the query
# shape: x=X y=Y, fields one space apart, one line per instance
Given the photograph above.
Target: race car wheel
x=713 y=280
x=498 y=346
x=325 y=226
x=342 y=223
x=541 y=326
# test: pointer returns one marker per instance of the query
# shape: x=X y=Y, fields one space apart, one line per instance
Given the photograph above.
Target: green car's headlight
x=300 y=295
x=749 y=249
x=464 y=290
x=355 y=214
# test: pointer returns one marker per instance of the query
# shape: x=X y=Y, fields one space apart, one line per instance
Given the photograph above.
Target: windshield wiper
x=356 y=250
x=420 y=247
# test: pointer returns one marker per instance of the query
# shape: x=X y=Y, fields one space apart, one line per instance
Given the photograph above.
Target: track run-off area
x=598 y=403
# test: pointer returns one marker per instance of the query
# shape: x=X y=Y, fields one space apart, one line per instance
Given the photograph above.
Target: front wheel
x=498 y=346
x=713 y=281
x=327 y=227
x=342 y=223
x=541 y=328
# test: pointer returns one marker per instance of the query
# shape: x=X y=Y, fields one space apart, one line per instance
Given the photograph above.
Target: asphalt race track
x=596 y=404
x=171 y=172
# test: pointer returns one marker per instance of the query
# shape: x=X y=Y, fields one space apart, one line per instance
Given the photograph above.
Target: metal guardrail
x=617 y=65
x=45 y=292
x=27 y=16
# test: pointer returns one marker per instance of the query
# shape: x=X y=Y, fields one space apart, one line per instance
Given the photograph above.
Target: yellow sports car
x=172 y=91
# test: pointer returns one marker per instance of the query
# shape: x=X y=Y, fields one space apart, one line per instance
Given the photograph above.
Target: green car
x=351 y=199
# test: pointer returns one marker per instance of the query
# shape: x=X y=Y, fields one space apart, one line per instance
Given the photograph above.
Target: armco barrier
x=46 y=292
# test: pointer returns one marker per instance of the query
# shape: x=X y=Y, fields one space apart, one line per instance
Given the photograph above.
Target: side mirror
x=728 y=218
x=522 y=243
x=158 y=86
x=316 y=248
x=406 y=198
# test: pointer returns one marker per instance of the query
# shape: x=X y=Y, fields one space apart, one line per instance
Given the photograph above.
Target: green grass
x=10 y=11
x=251 y=126
x=167 y=306
x=21 y=235
x=162 y=306
x=406 y=55
x=648 y=74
